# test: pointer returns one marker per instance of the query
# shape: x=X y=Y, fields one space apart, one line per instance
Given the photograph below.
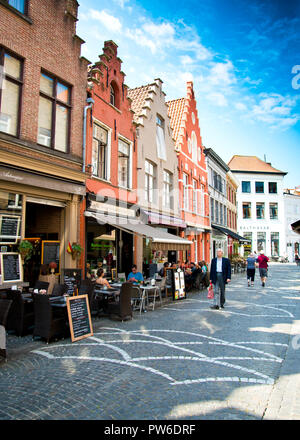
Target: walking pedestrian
x=251 y=262
x=263 y=267
x=220 y=275
x=297 y=259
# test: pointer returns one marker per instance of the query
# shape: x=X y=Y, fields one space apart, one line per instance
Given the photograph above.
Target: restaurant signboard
x=11 y=267
x=79 y=317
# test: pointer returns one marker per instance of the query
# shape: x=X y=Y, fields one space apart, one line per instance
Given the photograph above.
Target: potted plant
x=76 y=250
x=26 y=250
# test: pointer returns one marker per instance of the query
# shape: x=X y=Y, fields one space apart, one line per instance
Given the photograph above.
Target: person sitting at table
x=135 y=276
x=101 y=280
x=162 y=272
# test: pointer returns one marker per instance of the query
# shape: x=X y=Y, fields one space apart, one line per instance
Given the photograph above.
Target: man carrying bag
x=220 y=275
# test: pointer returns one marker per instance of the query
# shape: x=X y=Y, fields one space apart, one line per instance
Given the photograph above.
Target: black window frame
x=19 y=82
x=256 y=187
x=248 y=182
x=25 y=7
x=273 y=192
x=56 y=101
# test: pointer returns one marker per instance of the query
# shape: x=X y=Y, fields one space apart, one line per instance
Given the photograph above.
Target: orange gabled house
x=111 y=157
x=193 y=177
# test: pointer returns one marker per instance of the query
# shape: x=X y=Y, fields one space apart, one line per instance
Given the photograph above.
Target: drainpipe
x=90 y=102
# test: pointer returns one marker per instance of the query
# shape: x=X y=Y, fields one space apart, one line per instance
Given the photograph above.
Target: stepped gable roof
x=139 y=97
x=176 y=111
x=252 y=164
x=178 y=114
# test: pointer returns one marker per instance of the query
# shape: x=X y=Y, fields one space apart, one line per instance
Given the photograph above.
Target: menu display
x=50 y=253
x=79 y=317
x=9 y=228
x=72 y=279
x=11 y=267
x=175 y=281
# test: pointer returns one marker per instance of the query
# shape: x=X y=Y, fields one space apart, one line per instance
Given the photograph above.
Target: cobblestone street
x=181 y=361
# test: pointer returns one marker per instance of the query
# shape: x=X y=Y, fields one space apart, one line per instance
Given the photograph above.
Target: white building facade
x=292 y=214
x=261 y=206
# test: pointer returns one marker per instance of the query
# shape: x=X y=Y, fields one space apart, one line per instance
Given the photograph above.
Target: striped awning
x=161 y=240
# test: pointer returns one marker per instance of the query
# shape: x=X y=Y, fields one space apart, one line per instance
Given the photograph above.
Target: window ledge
x=15 y=11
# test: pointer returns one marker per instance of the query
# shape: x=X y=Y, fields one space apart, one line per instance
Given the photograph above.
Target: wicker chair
x=122 y=310
x=46 y=324
x=87 y=287
x=4 y=309
x=21 y=316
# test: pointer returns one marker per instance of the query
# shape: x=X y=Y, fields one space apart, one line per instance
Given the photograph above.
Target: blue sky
x=243 y=57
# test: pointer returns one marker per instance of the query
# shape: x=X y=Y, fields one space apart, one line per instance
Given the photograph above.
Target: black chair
x=21 y=316
x=5 y=305
x=87 y=287
x=41 y=285
x=4 y=309
x=46 y=323
x=59 y=289
x=122 y=309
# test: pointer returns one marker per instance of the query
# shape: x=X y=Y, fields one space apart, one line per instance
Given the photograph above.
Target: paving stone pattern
x=181 y=361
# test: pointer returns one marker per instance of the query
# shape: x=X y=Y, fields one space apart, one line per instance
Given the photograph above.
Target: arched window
x=112 y=96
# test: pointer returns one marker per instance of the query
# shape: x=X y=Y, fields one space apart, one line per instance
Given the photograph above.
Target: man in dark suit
x=220 y=275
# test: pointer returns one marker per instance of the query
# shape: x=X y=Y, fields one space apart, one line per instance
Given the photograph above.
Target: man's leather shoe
x=222 y=307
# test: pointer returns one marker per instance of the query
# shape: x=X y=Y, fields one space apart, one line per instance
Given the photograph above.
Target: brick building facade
x=192 y=175
x=111 y=162
x=42 y=100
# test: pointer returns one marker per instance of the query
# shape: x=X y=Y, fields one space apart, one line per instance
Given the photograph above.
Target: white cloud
x=217 y=99
x=222 y=74
x=109 y=21
x=240 y=106
x=276 y=110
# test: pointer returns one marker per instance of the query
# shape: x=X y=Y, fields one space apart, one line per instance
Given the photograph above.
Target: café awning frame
x=161 y=240
x=232 y=234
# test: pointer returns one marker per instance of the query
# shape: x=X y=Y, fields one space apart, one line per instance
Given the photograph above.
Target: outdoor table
x=145 y=290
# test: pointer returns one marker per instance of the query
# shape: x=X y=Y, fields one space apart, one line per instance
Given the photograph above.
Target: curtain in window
x=160 y=143
x=45 y=122
x=61 y=128
x=9 y=108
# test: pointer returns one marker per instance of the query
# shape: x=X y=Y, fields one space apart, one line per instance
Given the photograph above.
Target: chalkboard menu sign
x=170 y=277
x=79 y=317
x=72 y=278
x=175 y=283
x=11 y=267
x=9 y=228
x=50 y=252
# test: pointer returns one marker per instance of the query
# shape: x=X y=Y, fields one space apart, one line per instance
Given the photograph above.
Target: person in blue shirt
x=134 y=275
x=251 y=264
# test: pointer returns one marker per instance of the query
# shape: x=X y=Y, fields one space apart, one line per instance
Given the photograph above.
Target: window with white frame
x=185 y=191
x=99 y=152
x=194 y=147
x=212 y=210
x=160 y=138
x=150 y=178
x=167 y=191
x=124 y=164
x=194 y=195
